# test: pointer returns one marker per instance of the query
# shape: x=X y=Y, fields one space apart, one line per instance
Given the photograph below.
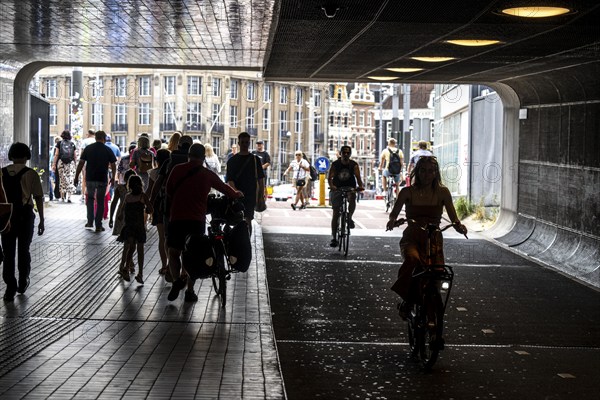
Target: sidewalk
x=80 y=331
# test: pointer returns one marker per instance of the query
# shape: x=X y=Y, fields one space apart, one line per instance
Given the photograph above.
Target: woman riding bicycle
x=424 y=201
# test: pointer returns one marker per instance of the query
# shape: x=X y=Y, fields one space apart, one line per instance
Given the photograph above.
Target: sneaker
x=351 y=223
x=89 y=225
x=139 y=279
x=100 y=229
x=303 y=206
x=23 y=285
x=293 y=207
x=333 y=243
x=404 y=309
x=175 y=289
x=190 y=296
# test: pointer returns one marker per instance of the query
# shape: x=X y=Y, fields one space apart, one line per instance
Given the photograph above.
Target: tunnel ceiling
x=296 y=40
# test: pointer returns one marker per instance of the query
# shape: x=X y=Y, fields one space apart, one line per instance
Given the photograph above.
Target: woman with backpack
x=65 y=162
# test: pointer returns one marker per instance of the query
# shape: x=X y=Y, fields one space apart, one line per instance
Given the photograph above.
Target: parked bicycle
x=343 y=230
x=426 y=317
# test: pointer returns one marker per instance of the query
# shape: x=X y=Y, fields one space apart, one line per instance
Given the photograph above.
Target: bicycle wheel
x=346 y=238
x=432 y=328
x=341 y=231
x=219 y=279
x=413 y=334
x=388 y=199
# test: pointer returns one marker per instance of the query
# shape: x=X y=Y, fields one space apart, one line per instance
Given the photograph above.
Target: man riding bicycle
x=391 y=163
x=344 y=172
x=424 y=201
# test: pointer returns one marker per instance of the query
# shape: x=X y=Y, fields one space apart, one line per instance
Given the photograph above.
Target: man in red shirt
x=188 y=186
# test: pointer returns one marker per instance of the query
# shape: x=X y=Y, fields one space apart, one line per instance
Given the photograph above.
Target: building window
x=169 y=114
x=216 y=115
x=121 y=87
x=267 y=93
x=369 y=119
x=194 y=115
x=120 y=114
x=51 y=90
x=266 y=119
x=299 y=96
x=250 y=119
x=233 y=89
x=144 y=114
x=53 y=117
x=216 y=144
x=283 y=95
x=283 y=126
x=250 y=91
x=317 y=125
x=298 y=121
x=361 y=121
x=233 y=116
x=97 y=114
x=97 y=88
x=145 y=85
x=120 y=139
x=194 y=84
x=317 y=98
x=216 y=87
x=169 y=85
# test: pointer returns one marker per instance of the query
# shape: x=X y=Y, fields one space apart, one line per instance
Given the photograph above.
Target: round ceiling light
x=433 y=59
x=472 y=42
x=382 y=78
x=405 y=70
x=535 y=12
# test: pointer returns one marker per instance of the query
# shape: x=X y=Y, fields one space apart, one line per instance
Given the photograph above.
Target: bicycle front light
x=445 y=285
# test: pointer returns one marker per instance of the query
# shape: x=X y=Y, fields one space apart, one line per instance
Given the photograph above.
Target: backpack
x=314 y=175
x=395 y=166
x=66 y=152
x=144 y=161
x=14 y=190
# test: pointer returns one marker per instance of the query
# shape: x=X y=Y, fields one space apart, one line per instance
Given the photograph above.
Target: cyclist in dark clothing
x=344 y=172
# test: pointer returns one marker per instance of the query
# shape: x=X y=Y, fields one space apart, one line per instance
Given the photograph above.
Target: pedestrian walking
x=65 y=159
x=96 y=158
x=23 y=186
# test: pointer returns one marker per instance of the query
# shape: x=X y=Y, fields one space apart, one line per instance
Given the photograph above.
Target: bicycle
x=390 y=196
x=426 y=318
x=224 y=213
x=343 y=230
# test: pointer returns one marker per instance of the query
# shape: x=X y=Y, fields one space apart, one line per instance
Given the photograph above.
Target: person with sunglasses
x=425 y=199
x=344 y=172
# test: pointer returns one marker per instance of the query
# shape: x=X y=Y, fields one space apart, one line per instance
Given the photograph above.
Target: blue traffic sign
x=322 y=164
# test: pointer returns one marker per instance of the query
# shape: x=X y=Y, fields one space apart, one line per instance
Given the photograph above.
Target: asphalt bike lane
x=513 y=329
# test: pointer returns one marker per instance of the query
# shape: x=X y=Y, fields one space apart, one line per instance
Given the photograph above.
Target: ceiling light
x=433 y=59
x=404 y=70
x=382 y=78
x=535 y=12
x=472 y=42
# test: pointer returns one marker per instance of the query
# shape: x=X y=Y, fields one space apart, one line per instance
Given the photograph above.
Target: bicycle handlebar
x=426 y=227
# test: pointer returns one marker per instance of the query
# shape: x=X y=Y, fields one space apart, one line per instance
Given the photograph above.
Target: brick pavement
x=81 y=332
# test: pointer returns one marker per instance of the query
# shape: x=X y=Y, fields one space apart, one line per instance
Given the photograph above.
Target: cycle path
x=514 y=329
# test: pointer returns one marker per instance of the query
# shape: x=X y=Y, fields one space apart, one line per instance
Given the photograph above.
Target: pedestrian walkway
x=81 y=332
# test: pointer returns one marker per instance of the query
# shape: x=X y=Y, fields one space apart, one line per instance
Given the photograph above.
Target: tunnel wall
x=558 y=190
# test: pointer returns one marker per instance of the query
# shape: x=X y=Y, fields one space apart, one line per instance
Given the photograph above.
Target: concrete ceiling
x=296 y=40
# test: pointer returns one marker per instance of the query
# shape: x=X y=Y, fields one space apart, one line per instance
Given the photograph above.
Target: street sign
x=322 y=164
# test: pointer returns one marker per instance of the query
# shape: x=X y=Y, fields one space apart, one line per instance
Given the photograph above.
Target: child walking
x=133 y=233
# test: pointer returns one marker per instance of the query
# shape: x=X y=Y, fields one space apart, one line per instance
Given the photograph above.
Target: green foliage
x=464 y=207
